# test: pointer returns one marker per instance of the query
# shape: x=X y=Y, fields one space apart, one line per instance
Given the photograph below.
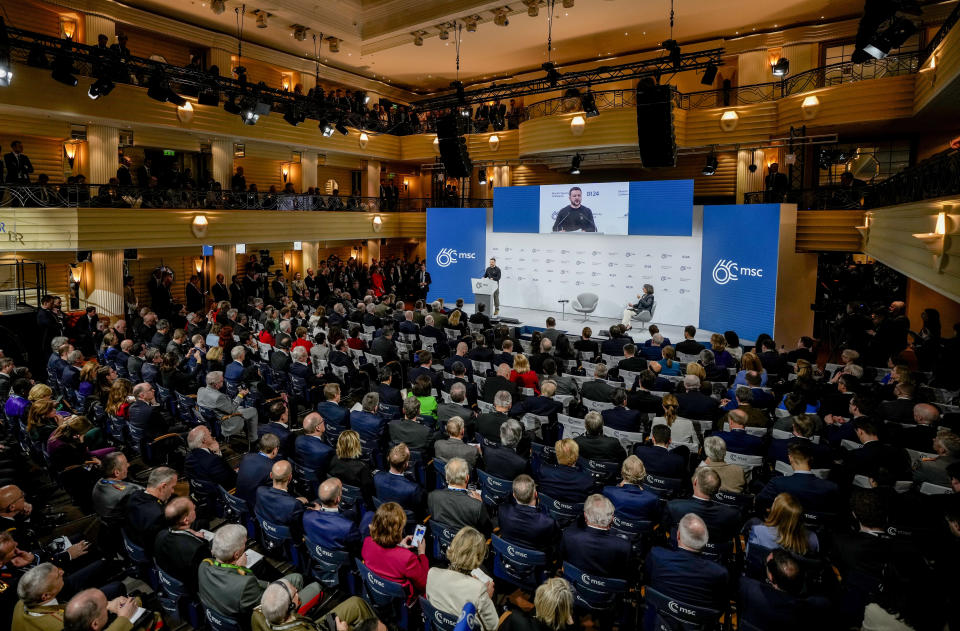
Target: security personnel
x=277 y=505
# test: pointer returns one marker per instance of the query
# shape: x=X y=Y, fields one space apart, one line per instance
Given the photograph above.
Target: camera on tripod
x=266 y=260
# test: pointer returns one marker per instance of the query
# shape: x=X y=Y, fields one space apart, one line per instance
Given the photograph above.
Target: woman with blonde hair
x=784 y=528
x=42 y=419
x=553 y=609
x=522 y=375
x=449 y=590
x=39 y=392
x=682 y=430
x=693 y=368
x=350 y=468
x=453 y=322
x=750 y=361
x=391 y=555
x=88 y=378
x=117 y=400
x=803 y=370
x=214 y=359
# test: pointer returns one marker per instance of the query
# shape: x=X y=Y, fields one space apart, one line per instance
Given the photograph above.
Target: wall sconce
x=70 y=150
x=285 y=171
x=494 y=142
x=406 y=184
x=810 y=107
x=198 y=264
x=864 y=231
x=436 y=146
x=577 y=125
x=76 y=271
x=285 y=82
x=936 y=241
x=364 y=139
x=241 y=248
x=68 y=27
x=377 y=223
x=729 y=120
x=287 y=259
x=185 y=113
x=239 y=150
x=199 y=226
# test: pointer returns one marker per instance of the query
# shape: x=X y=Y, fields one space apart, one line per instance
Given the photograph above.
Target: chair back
x=572 y=427
x=604 y=472
x=441 y=536
x=662 y=486
x=627 y=439
x=133 y=551
x=437 y=620
x=588 y=300
x=671 y=613
x=220 y=622
x=597 y=406
x=565 y=513
x=928 y=488
x=519 y=566
x=385 y=595
x=326 y=564
x=495 y=490
x=173 y=597
x=388 y=411
x=594 y=592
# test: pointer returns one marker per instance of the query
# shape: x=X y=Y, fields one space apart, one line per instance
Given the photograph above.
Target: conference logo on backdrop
x=456 y=245
x=728 y=271
x=448 y=256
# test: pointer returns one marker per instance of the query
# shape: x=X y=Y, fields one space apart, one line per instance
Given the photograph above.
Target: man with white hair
x=731 y=475
x=597 y=389
x=918 y=437
x=408 y=326
x=454 y=505
x=694 y=404
x=509 y=458
x=594 y=549
x=205 y=461
x=723 y=521
x=326 y=526
x=228 y=587
x=488 y=423
x=458 y=405
x=430 y=328
x=684 y=574
x=237 y=418
x=594 y=445
x=541 y=405
x=281 y=604
x=454 y=446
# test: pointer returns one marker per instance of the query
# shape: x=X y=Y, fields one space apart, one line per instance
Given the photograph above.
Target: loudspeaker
x=655 y=135
x=130 y=254
x=453 y=146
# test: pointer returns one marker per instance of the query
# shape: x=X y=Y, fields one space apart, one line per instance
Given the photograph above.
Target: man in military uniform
x=40 y=589
x=109 y=495
x=575 y=217
x=90 y=611
x=281 y=603
x=231 y=589
x=143 y=517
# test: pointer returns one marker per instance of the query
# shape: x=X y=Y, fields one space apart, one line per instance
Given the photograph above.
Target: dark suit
x=596 y=551
x=253 y=473
x=633 y=502
x=614 y=345
x=605 y=448
x=143 y=519
x=589 y=348
x=527 y=526
x=202 y=464
x=633 y=364
x=331 y=530
x=645 y=403
x=389 y=395
x=280 y=360
x=696 y=405
x=898 y=410
x=538 y=405
x=334 y=416
x=18 y=168
x=495 y=384
x=456 y=509
x=597 y=391
x=147 y=418
x=502 y=358
x=450 y=361
x=766 y=607
x=488 y=425
x=919 y=437
x=661 y=461
x=504 y=463
x=313 y=453
x=400 y=489
x=688 y=577
x=689 y=347
x=723 y=522
x=370 y=426
x=180 y=553
x=814 y=494
x=385 y=348
x=873 y=455
x=565 y=484
x=738 y=441
x=821 y=454
x=418 y=437
x=623 y=419
x=280 y=507
x=435 y=377
x=283 y=433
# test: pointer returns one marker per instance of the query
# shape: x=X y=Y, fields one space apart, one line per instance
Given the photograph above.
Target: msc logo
x=629 y=254
x=448 y=256
x=727 y=271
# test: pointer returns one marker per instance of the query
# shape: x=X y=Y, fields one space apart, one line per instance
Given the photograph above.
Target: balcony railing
x=107 y=196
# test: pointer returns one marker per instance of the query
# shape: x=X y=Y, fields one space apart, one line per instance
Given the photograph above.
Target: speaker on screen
x=453 y=146
x=655 y=134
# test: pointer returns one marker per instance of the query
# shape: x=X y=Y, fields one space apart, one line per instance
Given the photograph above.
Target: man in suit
x=431 y=329
x=777 y=604
x=457 y=406
x=461 y=358
x=564 y=481
x=238 y=296
x=394 y=486
x=279 y=425
x=873 y=455
x=919 y=436
x=755 y=417
x=947 y=447
x=312 y=452
x=722 y=521
x=455 y=506
x=537 y=359
x=336 y=418
x=145 y=414
x=522 y=523
x=598 y=389
x=804 y=430
x=631 y=362
x=617 y=340
x=143 y=517
x=551 y=333
x=212 y=397
x=683 y=574
x=111 y=491
x=694 y=404
x=460 y=377
x=500 y=382
x=900 y=410
x=480 y=351
x=505 y=356
x=488 y=423
x=179 y=549
x=454 y=446
x=508 y=459
x=593 y=445
x=594 y=549
x=384 y=347
x=17 y=164
x=630 y=500
x=254 y=470
x=566 y=385
x=621 y=417
x=220 y=291
x=327 y=527
x=641 y=399
x=658 y=459
x=408 y=326
x=814 y=494
x=423 y=281
x=367 y=422
x=280 y=358
x=737 y=439
x=276 y=504
x=409 y=430
x=541 y=405
x=425 y=361
x=772 y=361
x=205 y=461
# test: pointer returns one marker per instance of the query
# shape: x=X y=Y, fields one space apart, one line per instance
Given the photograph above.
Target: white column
x=371 y=179
x=105 y=292
x=222 y=151
x=308 y=170
x=373 y=250
x=308 y=80
x=103 y=143
x=310 y=256
x=96 y=25
x=222 y=60
x=224 y=262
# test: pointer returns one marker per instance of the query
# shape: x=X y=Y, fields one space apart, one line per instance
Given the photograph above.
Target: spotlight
x=262 y=19
x=326 y=128
x=589 y=105
x=63 y=69
x=500 y=18
x=159 y=90
x=209 y=96
x=672 y=47
x=782 y=67
x=340 y=127
x=37 y=57
x=230 y=105
x=471 y=25
x=444 y=32
x=218 y=6
x=894 y=36
x=458 y=86
x=6 y=72
x=417 y=39
x=553 y=75
x=711 y=166
x=248 y=112
x=709 y=75
x=334 y=44
x=533 y=7
x=294 y=115
x=101 y=87
x=299 y=33
x=753 y=166
x=482 y=176
x=575 y=164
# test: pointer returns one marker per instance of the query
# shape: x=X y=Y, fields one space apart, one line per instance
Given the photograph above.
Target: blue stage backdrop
x=738 y=286
x=456 y=247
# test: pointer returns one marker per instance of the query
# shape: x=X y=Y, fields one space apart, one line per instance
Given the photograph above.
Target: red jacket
x=527 y=379
x=399 y=565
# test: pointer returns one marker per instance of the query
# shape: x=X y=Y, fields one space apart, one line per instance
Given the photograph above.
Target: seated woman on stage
x=522 y=375
x=644 y=303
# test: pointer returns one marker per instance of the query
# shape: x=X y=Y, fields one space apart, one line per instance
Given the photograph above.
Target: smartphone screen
x=418 y=535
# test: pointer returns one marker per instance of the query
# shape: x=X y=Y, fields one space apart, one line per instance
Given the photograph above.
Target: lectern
x=483 y=289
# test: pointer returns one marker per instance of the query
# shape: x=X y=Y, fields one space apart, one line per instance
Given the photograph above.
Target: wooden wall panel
x=258 y=71
x=756 y=123
x=58 y=268
x=613 y=128
x=143 y=43
x=39 y=17
x=851 y=104
x=342 y=176
x=263 y=172
x=931 y=81
x=161 y=139
x=46 y=154
x=829 y=230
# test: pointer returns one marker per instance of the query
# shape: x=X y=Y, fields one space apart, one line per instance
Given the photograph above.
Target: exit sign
x=169 y=152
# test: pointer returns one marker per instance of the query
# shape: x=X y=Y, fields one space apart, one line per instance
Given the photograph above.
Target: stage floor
x=573 y=324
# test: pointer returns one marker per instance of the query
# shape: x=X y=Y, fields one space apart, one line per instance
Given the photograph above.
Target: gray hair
x=707 y=357
x=228 y=541
x=232 y=314
x=276 y=600
x=854 y=370
x=197 y=436
x=657 y=339
x=299 y=354
x=285 y=326
x=237 y=352
x=601 y=371
x=454 y=426
x=457 y=471
x=370 y=402
x=744 y=394
x=510 y=433
x=57 y=342
x=411 y=407
x=502 y=399
x=161 y=475
x=428 y=320
x=691 y=382
x=523 y=488
x=163 y=325
x=715 y=448
x=692 y=532
x=74 y=356
x=408 y=315
x=458 y=392
x=214 y=378
x=598 y=511
x=593 y=423
x=34 y=583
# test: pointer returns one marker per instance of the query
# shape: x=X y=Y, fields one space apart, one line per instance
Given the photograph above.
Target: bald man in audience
x=278 y=505
x=90 y=611
x=179 y=549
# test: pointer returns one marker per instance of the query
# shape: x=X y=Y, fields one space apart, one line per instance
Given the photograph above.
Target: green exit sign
x=169 y=152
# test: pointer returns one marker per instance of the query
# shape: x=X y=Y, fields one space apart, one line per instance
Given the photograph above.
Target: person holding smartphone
x=449 y=590
x=391 y=555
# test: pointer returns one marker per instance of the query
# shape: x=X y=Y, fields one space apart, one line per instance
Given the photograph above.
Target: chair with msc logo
x=176 y=603
x=330 y=567
x=436 y=620
x=664 y=612
x=441 y=536
x=585 y=303
x=389 y=599
x=601 y=596
x=565 y=513
x=138 y=560
x=495 y=491
x=277 y=540
x=523 y=567
x=219 y=622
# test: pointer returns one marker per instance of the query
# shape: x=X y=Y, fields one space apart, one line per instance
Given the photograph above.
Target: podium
x=483 y=289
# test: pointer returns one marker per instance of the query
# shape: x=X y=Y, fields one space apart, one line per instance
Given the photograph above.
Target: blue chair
x=604 y=472
x=755 y=563
x=165 y=399
x=523 y=567
x=236 y=510
x=206 y=495
x=666 y=488
x=411 y=517
x=541 y=455
x=389 y=412
x=220 y=622
x=436 y=620
x=305 y=478
x=140 y=561
x=117 y=428
x=330 y=567
x=176 y=603
x=565 y=513
x=635 y=531
x=389 y=599
x=277 y=541
x=743 y=502
x=600 y=595
x=185 y=408
x=351 y=502
x=664 y=612
x=439 y=464
x=441 y=536
x=495 y=491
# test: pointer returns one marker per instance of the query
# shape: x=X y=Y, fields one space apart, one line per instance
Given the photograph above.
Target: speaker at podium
x=483 y=289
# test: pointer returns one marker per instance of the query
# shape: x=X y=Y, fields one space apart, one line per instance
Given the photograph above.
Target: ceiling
x=377 y=35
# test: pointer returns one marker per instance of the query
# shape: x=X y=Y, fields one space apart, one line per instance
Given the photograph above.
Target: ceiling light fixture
x=568 y=4
x=471 y=23
x=334 y=44
x=533 y=7
x=444 y=32
x=500 y=16
x=417 y=39
x=300 y=32
x=261 y=18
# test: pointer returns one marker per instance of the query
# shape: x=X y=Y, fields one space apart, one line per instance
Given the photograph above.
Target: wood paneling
x=342 y=176
x=851 y=104
x=144 y=43
x=46 y=154
x=258 y=71
x=40 y=18
x=943 y=76
x=613 y=128
x=58 y=268
x=829 y=230
x=756 y=123
x=39 y=229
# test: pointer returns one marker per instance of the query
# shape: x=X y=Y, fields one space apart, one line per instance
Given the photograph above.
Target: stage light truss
x=655 y=68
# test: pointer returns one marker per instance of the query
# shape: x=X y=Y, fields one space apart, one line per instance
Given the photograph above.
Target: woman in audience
x=721 y=357
x=394 y=557
x=105 y=378
x=356 y=342
x=267 y=334
x=449 y=590
x=66 y=445
x=173 y=378
x=682 y=430
x=669 y=366
x=42 y=419
x=453 y=322
x=587 y=347
x=693 y=368
x=731 y=475
x=349 y=468
x=563 y=349
x=733 y=344
x=17 y=405
x=318 y=318
x=376 y=282
x=109 y=347
x=784 y=529
x=535 y=340
x=522 y=375
x=88 y=379
x=712 y=371
x=299 y=288
x=320 y=351
x=750 y=361
x=214 y=359
x=119 y=398
x=423 y=391
x=553 y=609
